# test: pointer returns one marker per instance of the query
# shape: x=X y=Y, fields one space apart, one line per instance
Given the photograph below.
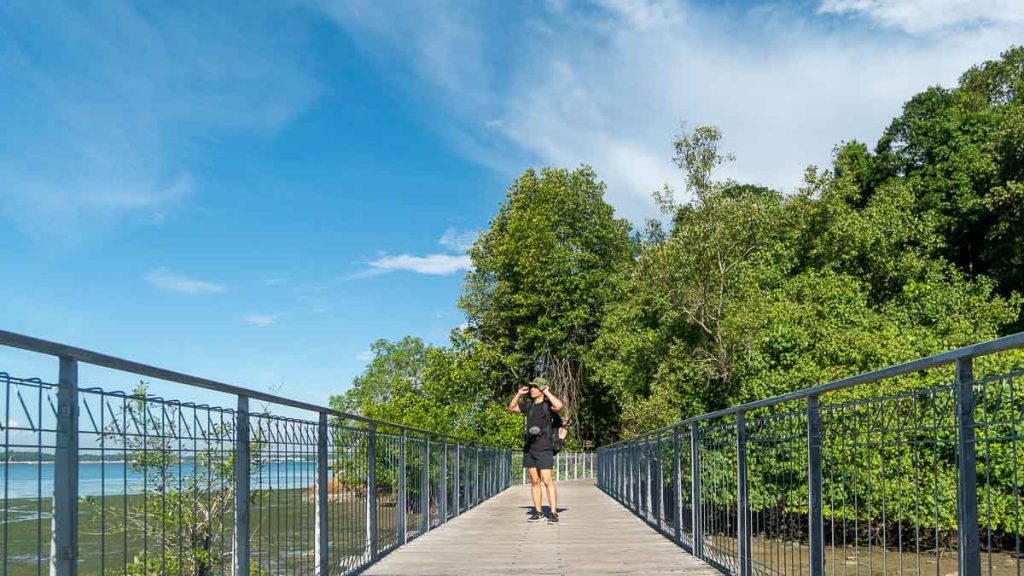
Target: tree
x=187 y=504
x=539 y=284
x=960 y=151
x=441 y=389
x=675 y=311
x=753 y=294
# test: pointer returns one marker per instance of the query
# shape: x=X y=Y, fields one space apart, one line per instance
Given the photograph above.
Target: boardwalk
x=595 y=536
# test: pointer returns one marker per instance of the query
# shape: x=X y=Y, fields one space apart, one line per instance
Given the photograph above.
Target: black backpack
x=556 y=442
x=550 y=424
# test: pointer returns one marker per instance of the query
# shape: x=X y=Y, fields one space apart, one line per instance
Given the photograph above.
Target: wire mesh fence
x=100 y=481
x=912 y=469
x=567 y=466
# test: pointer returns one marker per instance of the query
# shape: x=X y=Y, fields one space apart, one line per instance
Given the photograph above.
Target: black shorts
x=540 y=459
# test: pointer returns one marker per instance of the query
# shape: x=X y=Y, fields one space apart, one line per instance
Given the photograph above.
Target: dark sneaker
x=534 y=516
x=553 y=519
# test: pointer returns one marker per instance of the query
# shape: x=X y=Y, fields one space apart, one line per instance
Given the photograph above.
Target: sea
x=35 y=479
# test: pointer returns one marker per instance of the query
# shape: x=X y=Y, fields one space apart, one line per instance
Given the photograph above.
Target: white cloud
x=432 y=264
x=365 y=356
x=458 y=241
x=609 y=86
x=275 y=280
x=165 y=279
x=925 y=16
x=112 y=104
x=260 y=320
x=440 y=264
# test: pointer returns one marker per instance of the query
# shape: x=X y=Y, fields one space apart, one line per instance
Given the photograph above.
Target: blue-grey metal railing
x=918 y=473
x=567 y=466
x=123 y=482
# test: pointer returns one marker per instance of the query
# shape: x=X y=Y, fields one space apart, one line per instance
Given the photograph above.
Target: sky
x=255 y=191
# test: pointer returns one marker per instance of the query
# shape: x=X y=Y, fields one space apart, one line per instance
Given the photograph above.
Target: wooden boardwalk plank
x=595 y=536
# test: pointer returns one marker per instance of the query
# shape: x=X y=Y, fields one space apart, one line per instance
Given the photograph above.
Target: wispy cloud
x=165 y=279
x=458 y=240
x=608 y=84
x=432 y=264
x=275 y=280
x=260 y=320
x=928 y=16
x=365 y=356
x=114 y=101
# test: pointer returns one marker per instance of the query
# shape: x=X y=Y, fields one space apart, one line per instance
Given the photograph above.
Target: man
x=540 y=406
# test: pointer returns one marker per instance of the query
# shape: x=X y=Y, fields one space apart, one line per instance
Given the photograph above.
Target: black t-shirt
x=540 y=415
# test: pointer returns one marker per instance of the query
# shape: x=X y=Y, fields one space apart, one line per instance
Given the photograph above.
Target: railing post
x=620 y=454
x=696 y=512
x=403 y=492
x=240 y=558
x=742 y=501
x=64 y=533
x=627 y=474
x=635 y=479
x=321 y=553
x=816 y=533
x=620 y=473
x=371 y=491
x=646 y=452
x=661 y=484
x=617 y=465
x=485 y=475
x=967 y=488
x=443 y=504
x=458 y=480
x=625 y=463
x=677 y=485
x=425 y=486
x=470 y=475
x=476 y=475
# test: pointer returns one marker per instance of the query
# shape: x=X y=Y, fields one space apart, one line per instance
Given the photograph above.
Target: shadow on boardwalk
x=595 y=536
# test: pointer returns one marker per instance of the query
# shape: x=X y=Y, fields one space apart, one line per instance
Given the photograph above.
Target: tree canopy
x=739 y=292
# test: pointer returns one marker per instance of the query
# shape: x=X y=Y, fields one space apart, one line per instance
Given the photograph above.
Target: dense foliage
x=742 y=292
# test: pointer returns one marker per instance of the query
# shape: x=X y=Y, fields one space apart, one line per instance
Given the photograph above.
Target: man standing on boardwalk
x=539 y=405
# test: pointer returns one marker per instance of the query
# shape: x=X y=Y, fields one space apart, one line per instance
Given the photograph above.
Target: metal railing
x=123 y=482
x=918 y=473
x=568 y=466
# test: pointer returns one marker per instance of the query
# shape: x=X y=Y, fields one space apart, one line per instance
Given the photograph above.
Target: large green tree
x=441 y=389
x=539 y=284
x=960 y=152
x=752 y=293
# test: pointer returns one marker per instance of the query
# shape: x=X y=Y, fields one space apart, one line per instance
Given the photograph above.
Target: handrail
x=731 y=481
x=424 y=471
x=38 y=345
x=1011 y=342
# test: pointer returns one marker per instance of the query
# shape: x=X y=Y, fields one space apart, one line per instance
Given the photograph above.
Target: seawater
x=35 y=480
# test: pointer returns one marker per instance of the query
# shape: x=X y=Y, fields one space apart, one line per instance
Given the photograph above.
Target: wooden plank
x=595 y=536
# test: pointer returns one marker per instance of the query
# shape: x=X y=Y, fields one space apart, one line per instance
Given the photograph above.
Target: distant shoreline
x=80 y=462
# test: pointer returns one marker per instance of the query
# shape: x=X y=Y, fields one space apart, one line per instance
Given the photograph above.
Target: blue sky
x=256 y=191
